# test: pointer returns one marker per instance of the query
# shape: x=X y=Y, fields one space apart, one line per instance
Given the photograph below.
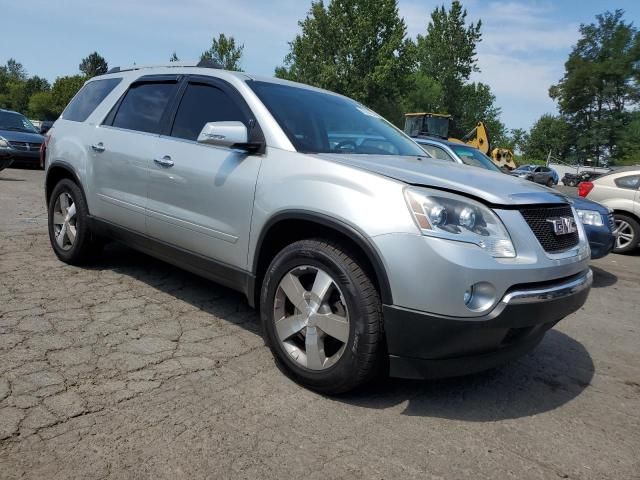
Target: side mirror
x=224 y=134
x=44 y=129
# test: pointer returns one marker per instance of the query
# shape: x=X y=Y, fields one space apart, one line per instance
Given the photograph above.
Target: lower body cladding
x=423 y=345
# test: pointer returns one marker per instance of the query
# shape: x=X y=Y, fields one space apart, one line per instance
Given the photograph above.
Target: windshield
x=474 y=157
x=318 y=122
x=16 y=122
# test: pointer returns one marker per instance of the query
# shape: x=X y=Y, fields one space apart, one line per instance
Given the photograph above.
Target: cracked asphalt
x=131 y=368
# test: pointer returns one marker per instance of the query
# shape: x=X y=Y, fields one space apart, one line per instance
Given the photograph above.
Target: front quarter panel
x=367 y=202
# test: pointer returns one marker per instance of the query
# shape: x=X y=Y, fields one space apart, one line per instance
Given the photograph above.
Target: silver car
x=620 y=191
x=361 y=257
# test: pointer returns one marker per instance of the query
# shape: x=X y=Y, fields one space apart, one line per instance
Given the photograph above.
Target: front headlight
x=453 y=217
x=590 y=217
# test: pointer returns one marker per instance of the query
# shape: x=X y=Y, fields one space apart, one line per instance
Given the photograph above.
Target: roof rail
x=205 y=63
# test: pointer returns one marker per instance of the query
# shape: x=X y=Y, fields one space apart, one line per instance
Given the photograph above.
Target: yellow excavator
x=438 y=125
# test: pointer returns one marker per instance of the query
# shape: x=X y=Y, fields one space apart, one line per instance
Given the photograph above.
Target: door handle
x=165 y=161
x=98 y=147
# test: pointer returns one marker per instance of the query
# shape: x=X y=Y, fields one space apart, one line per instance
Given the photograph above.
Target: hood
x=492 y=187
x=13 y=136
x=583 y=204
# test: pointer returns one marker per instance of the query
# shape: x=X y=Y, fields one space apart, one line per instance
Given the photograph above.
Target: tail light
x=584 y=188
x=43 y=149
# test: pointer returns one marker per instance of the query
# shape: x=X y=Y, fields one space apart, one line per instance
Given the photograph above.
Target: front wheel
x=627 y=233
x=322 y=317
x=69 y=233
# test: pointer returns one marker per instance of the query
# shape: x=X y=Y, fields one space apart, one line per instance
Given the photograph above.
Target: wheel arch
x=57 y=171
x=287 y=227
x=627 y=213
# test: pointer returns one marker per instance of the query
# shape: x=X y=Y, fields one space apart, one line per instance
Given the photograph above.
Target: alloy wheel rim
x=624 y=234
x=311 y=317
x=64 y=221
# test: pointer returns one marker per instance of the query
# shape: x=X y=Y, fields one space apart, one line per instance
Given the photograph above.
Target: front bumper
x=601 y=240
x=23 y=157
x=424 y=345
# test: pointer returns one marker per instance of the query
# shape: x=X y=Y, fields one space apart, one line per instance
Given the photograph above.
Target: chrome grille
x=537 y=218
x=26 y=146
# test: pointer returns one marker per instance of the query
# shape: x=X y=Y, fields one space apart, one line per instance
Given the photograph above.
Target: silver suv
x=361 y=256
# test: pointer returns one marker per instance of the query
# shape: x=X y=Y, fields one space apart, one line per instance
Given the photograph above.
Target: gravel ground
x=134 y=369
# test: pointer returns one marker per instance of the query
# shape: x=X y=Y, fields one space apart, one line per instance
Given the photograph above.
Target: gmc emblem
x=563 y=225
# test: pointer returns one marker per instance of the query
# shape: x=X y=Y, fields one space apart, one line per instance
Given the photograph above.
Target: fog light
x=468 y=295
x=480 y=296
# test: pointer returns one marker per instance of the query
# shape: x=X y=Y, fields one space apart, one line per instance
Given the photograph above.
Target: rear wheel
x=322 y=317
x=627 y=233
x=69 y=233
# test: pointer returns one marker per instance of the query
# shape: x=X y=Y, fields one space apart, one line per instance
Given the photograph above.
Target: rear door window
x=144 y=105
x=201 y=104
x=88 y=98
x=631 y=182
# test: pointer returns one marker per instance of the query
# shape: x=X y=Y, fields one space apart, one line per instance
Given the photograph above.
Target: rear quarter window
x=88 y=98
x=631 y=182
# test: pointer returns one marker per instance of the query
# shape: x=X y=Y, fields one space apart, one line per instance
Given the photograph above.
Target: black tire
x=363 y=357
x=550 y=182
x=86 y=246
x=635 y=230
x=572 y=183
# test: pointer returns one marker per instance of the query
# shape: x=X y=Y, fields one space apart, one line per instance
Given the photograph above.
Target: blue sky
x=524 y=47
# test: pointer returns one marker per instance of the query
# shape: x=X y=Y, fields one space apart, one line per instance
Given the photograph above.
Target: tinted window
x=202 y=104
x=436 y=152
x=631 y=181
x=143 y=106
x=88 y=98
x=319 y=122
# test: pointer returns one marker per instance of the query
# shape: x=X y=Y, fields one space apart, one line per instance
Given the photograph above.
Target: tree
x=476 y=103
x=93 y=65
x=174 y=57
x=448 y=53
x=42 y=106
x=50 y=104
x=423 y=94
x=550 y=133
x=600 y=83
x=225 y=52
x=354 y=47
x=517 y=140
x=629 y=144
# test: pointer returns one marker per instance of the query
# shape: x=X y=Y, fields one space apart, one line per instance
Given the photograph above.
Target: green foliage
x=477 y=103
x=600 y=84
x=50 y=104
x=93 y=65
x=516 y=140
x=224 y=51
x=550 y=133
x=629 y=144
x=448 y=53
x=357 y=48
x=423 y=94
